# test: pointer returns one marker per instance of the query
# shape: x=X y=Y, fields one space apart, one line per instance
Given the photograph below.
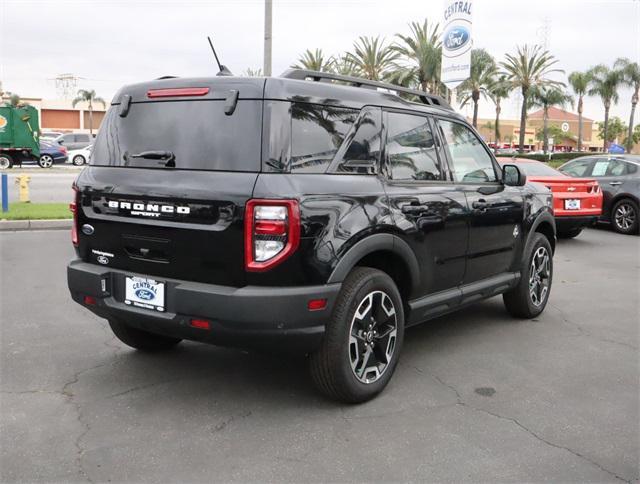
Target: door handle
x=480 y=204
x=414 y=208
x=615 y=183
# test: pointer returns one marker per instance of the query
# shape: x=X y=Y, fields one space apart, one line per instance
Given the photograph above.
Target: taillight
x=271 y=232
x=73 y=206
x=62 y=149
x=594 y=188
x=178 y=92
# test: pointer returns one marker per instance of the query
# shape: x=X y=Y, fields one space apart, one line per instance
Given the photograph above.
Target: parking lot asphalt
x=46 y=186
x=477 y=396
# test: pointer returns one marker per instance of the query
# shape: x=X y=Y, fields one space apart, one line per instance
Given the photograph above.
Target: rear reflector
x=200 y=323
x=317 y=304
x=90 y=300
x=178 y=92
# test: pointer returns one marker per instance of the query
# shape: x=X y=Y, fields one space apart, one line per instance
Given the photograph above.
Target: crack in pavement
x=139 y=387
x=222 y=425
x=514 y=421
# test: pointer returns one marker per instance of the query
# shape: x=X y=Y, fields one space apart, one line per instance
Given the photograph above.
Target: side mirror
x=512 y=176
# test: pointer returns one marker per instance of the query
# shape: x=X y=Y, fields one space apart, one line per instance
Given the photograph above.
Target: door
x=426 y=207
x=496 y=211
x=611 y=174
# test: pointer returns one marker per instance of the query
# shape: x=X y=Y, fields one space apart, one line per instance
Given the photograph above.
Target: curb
x=20 y=225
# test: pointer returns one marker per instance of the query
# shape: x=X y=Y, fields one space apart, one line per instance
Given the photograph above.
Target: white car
x=81 y=156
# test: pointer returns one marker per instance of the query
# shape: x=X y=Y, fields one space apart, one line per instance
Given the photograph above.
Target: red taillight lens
x=200 y=324
x=271 y=232
x=90 y=300
x=178 y=92
x=316 y=304
x=63 y=149
x=73 y=206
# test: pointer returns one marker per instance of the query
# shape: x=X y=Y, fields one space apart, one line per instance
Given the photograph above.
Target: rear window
x=536 y=169
x=198 y=133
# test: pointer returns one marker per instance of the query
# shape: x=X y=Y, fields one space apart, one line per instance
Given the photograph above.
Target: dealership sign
x=456 y=42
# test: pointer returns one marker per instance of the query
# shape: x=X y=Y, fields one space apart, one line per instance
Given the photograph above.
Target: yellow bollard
x=23 y=183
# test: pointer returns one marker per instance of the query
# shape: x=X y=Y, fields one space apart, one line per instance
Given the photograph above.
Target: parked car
x=81 y=156
x=577 y=202
x=317 y=217
x=619 y=178
x=74 y=141
x=51 y=153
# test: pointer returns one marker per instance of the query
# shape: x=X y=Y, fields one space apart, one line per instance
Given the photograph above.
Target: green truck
x=19 y=135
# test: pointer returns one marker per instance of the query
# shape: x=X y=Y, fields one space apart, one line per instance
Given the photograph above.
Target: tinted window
x=317 y=132
x=578 y=168
x=631 y=168
x=198 y=133
x=411 y=148
x=363 y=143
x=471 y=161
x=535 y=169
x=82 y=138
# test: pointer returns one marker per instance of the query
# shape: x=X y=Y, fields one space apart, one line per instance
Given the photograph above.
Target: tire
x=45 y=161
x=6 y=162
x=529 y=298
x=569 y=234
x=339 y=368
x=78 y=160
x=624 y=217
x=139 y=339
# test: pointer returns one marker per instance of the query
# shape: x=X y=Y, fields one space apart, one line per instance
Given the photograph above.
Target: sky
x=111 y=43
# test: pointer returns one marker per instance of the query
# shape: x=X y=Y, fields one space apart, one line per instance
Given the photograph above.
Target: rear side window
x=317 y=132
x=198 y=133
x=411 y=148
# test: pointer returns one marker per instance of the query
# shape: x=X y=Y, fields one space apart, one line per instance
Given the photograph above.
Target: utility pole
x=268 y=8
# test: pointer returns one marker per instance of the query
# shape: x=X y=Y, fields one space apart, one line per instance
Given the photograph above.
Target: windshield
x=198 y=133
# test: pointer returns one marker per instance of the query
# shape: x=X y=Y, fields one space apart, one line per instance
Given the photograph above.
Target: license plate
x=572 y=204
x=144 y=293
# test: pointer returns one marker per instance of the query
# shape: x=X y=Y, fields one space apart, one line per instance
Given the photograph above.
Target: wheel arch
x=545 y=224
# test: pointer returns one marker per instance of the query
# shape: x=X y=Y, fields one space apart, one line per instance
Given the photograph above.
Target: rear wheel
x=529 y=298
x=78 y=160
x=45 y=161
x=6 y=162
x=139 y=339
x=569 y=234
x=362 y=341
x=624 y=217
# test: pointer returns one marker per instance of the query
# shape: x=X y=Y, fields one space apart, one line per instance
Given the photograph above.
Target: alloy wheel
x=46 y=161
x=78 y=160
x=5 y=163
x=625 y=217
x=372 y=336
x=539 y=275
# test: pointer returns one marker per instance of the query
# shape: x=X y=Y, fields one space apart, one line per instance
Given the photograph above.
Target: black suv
x=315 y=212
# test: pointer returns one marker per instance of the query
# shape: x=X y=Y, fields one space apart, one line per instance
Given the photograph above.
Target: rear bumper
x=240 y=317
x=565 y=224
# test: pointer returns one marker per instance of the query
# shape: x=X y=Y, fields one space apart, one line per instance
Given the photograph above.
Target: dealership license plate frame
x=138 y=292
x=572 y=204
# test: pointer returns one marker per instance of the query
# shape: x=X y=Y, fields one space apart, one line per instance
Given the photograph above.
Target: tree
x=89 y=97
x=372 y=58
x=553 y=131
x=344 y=66
x=499 y=90
x=614 y=130
x=482 y=76
x=634 y=139
x=313 y=60
x=530 y=67
x=604 y=83
x=579 y=82
x=630 y=77
x=421 y=52
x=253 y=72
x=546 y=97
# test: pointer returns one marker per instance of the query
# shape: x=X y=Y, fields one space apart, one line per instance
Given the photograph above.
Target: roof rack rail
x=304 y=74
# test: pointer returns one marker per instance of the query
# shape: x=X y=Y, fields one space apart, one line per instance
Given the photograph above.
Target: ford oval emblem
x=145 y=294
x=102 y=259
x=88 y=229
x=456 y=37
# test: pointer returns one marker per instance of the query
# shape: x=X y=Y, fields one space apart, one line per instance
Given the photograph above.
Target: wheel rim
x=372 y=336
x=4 y=163
x=539 y=275
x=46 y=161
x=625 y=216
x=78 y=160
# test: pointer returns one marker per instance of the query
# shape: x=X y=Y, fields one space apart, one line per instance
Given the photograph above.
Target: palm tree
x=499 y=90
x=313 y=60
x=422 y=53
x=483 y=71
x=579 y=82
x=604 y=83
x=343 y=65
x=545 y=97
x=631 y=77
x=250 y=72
x=372 y=58
x=89 y=97
x=530 y=67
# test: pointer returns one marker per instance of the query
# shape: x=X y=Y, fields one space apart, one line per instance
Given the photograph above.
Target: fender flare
x=543 y=217
x=373 y=243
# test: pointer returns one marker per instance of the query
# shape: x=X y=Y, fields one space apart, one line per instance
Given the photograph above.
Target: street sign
x=456 y=42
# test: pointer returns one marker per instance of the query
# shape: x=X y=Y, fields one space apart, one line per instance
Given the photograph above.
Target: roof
x=557 y=114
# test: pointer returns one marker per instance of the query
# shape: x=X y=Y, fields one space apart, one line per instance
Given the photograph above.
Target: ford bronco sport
x=315 y=212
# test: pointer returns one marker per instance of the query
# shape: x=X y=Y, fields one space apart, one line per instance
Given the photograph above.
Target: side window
x=82 y=138
x=317 y=132
x=363 y=143
x=578 y=168
x=471 y=161
x=631 y=168
x=617 y=168
x=68 y=138
x=411 y=148
x=600 y=167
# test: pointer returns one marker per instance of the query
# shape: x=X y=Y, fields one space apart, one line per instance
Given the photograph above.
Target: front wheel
x=6 y=162
x=529 y=298
x=78 y=160
x=45 y=161
x=625 y=217
x=363 y=339
x=139 y=339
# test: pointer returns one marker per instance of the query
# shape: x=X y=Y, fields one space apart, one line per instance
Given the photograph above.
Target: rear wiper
x=167 y=156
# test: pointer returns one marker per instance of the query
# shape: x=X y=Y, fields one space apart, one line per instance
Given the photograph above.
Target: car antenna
x=224 y=71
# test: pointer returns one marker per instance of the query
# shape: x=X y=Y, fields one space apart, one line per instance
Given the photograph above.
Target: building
x=60 y=115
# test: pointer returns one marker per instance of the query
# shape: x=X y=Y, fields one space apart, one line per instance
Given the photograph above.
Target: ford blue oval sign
x=145 y=294
x=456 y=37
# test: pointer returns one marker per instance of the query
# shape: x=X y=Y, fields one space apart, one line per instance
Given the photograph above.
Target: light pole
x=268 y=8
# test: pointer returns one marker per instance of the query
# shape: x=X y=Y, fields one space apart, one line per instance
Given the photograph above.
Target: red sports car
x=577 y=202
